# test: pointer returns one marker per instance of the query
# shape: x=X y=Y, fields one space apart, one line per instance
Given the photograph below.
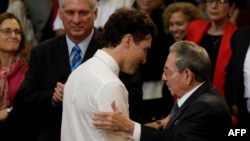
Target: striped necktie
x=77 y=59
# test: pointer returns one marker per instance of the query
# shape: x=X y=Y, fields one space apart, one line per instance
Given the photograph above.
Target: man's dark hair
x=127 y=21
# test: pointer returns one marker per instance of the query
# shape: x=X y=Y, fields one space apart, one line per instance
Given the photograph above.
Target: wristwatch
x=159 y=124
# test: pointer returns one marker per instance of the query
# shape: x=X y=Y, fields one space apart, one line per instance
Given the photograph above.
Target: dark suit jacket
x=204 y=116
x=234 y=87
x=49 y=64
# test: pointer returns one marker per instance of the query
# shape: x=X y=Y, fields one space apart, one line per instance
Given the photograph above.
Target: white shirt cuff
x=137 y=132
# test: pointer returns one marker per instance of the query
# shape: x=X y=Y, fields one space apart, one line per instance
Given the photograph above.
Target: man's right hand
x=58 y=93
x=114 y=121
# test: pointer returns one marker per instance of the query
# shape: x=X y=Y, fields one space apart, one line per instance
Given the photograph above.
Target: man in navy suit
x=39 y=100
x=203 y=114
x=237 y=82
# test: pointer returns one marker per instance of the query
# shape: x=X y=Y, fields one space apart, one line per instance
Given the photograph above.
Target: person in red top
x=14 y=56
x=214 y=35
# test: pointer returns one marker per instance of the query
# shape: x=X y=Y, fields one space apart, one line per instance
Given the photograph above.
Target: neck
x=115 y=54
x=6 y=59
x=217 y=27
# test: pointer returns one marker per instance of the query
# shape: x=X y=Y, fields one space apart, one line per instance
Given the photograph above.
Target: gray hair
x=193 y=57
x=93 y=4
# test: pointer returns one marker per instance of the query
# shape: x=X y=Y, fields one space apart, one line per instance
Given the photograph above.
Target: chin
x=177 y=39
x=129 y=71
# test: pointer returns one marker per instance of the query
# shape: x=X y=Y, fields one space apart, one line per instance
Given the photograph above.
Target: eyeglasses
x=217 y=1
x=8 y=31
x=169 y=73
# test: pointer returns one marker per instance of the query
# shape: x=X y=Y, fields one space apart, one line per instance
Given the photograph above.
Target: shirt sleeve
x=137 y=132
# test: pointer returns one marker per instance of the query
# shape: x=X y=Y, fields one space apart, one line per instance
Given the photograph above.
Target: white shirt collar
x=109 y=60
x=181 y=100
x=83 y=44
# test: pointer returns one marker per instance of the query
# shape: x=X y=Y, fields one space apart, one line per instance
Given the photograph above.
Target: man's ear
x=127 y=40
x=96 y=13
x=189 y=76
x=232 y=10
x=60 y=13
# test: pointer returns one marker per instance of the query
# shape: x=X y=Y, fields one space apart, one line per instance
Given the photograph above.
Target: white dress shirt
x=91 y=88
x=83 y=45
x=246 y=73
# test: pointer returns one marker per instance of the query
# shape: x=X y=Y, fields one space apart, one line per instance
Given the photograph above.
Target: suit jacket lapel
x=201 y=90
x=62 y=56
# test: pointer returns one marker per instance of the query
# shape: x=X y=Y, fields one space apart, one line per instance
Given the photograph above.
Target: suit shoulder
x=214 y=100
x=211 y=95
x=52 y=42
x=50 y=45
x=243 y=31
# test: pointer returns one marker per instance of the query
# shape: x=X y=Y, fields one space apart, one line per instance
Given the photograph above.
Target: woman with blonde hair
x=177 y=16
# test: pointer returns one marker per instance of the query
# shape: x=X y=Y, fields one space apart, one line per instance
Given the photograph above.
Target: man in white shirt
x=91 y=88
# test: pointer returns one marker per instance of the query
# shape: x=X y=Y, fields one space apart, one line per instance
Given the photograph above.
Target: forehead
x=218 y=3
x=77 y=4
x=170 y=63
x=178 y=15
x=9 y=23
